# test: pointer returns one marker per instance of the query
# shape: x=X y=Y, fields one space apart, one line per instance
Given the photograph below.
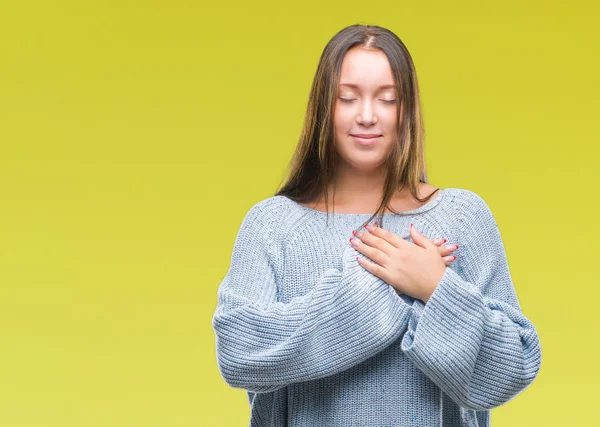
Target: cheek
x=389 y=122
x=389 y=116
x=341 y=118
x=342 y=128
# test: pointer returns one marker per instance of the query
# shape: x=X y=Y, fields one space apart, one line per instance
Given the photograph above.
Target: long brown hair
x=312 y=167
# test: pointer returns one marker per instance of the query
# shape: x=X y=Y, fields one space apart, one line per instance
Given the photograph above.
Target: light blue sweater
x=318 y=341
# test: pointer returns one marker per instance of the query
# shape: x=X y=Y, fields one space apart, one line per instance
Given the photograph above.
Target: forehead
x=366 y=68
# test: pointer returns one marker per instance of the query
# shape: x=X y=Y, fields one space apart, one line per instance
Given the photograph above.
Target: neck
x=356 y=188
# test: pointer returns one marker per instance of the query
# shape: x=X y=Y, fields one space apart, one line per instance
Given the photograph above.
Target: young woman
x=348 y=324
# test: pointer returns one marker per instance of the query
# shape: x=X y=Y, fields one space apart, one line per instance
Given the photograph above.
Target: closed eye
x=388 y=101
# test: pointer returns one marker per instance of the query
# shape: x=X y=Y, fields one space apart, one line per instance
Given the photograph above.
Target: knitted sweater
x=316 y=340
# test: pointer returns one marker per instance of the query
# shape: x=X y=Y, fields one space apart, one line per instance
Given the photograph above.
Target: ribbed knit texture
x=317 y=340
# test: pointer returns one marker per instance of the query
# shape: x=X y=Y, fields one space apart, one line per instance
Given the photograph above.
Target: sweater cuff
x=453 y=308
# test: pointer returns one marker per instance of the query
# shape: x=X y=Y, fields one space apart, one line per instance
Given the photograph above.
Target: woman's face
x=365 y=105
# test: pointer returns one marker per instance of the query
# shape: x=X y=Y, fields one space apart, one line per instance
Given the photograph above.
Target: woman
x=326 y=329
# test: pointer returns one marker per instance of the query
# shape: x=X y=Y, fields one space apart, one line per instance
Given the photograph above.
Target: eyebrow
x=356 y=86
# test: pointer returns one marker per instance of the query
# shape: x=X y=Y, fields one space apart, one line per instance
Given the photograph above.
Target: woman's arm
x=471 y=337
x=263 y=344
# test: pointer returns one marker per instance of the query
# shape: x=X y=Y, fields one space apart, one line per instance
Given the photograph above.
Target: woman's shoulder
x=273 y=207
x=471 y=208
x=269 y=214
x=466 y=198
x=266 y=210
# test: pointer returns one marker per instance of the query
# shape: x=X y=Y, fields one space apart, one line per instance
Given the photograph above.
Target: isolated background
x=135 y=135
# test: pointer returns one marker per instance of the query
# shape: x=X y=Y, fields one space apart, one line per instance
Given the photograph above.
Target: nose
x=366 y=115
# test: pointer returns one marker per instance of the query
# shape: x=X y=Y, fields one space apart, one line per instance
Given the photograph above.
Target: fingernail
x=445 y=240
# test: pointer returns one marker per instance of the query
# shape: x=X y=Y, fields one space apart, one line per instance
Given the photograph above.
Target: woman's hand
x=414 y=269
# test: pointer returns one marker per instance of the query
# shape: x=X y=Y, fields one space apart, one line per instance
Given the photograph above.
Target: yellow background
x=134 y=137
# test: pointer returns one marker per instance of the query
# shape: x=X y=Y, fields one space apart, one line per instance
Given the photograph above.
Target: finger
x=370 y=247
x=388 y=239
x=445 y=250
x=439 y=242
x=420 y=239
x=448 y=259
x=376 y=238
x=372 y=267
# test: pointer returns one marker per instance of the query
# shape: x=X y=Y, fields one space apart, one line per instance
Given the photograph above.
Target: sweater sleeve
x=263 y=344
x=471 y=337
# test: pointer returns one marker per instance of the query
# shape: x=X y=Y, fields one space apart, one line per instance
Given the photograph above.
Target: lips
x=367 y=141
x=365 y=135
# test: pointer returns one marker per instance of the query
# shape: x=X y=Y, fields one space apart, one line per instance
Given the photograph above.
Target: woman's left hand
x=414 y=269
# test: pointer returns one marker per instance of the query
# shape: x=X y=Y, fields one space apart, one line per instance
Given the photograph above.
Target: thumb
x=420 y=239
